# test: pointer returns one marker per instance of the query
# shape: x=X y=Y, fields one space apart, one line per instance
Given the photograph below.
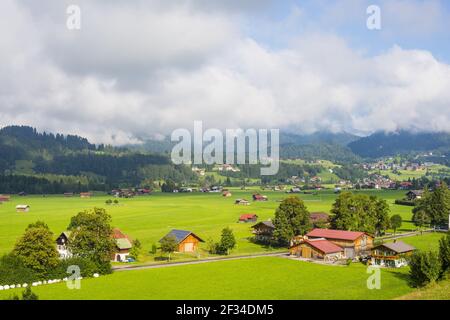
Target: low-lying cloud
x=136 y=70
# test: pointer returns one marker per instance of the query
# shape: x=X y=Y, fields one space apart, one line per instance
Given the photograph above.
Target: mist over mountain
x=382 y=144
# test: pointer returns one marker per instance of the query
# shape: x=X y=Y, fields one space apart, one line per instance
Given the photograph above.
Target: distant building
x=226 y=194
x=123 y=246
x=62 y=245
x=85 y=194
x=22 y=208
x=187 y=241
x=4 y=198
x=414 y=195
x=391 y=254
x=242 y=202
x=248 y=217
x=259 y=197
x=263 y=231
x=317 y=249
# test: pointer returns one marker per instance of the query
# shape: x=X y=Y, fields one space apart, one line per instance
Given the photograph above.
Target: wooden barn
x=317 y=249
x=226 y=194
x=355 y=243
x=248 y=217
x=391 y=254
x=242 y=202
x=187 y=241
x=4 y=198
x=22 y=208
x=263 y=231
x=259 y=197
x=85 y=194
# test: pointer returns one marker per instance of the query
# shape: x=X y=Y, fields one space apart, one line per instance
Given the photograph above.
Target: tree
x=169 y=245
x=436 y=205
x=36 y=249
x=424 y=268
x=227 y=241
x=136 y=249
x=444 y=252
x=420 y=217
x=91 y=237
x=382 y=221
x=29 y=295
x=396 y=222
x=291 y=219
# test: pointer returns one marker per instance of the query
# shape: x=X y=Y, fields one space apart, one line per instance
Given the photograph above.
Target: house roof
x=22 y=206
x=247 y=216
x=180 y=235
x=123 y=243
x=265 y=223
x=335 y=234
x=324 y=245
x=117 y=234
x=416 y=192
x=398 y=246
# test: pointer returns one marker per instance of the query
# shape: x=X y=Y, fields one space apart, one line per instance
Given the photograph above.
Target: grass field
x=150 y=218
x=256 y=278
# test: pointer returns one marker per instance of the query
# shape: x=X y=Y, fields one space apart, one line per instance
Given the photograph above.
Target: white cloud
x=135 y=72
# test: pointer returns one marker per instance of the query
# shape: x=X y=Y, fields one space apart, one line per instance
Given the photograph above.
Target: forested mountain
x=382 y=144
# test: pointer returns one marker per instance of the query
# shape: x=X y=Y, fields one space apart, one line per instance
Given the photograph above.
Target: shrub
x=29 y=295
x=444 y=253
x=87 y=267
x=425 y=268
x=13 y=270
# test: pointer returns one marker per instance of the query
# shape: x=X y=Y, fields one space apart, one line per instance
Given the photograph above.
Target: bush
x=87 y=268
x=425 y=268
x=29 y=295
x=405 y=202
x=13 y=270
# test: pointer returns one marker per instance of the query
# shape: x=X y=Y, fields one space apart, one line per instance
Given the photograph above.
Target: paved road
x=173 y=264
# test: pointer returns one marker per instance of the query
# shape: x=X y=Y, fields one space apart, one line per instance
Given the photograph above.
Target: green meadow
x=254 y=278
x=149 y=218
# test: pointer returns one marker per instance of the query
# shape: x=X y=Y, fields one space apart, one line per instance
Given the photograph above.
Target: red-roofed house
x=259 y=197
x=248 y=217
x=355 y=243
x=317 y=249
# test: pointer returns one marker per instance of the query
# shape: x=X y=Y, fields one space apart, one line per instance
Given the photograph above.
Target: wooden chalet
x=248 y=217
x=263 y=231
x=259 y=197
x=187 y=241
x=226 y=194
x=393 y=254
x=354 y=243
x=414 y=195
x=317 y=249
x=242 y=202
x=62 y=245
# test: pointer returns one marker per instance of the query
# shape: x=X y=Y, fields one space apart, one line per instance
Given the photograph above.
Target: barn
x=355 y=243
x=22 y=208
x=187 y=241
x=317 y=249
x=248 y=217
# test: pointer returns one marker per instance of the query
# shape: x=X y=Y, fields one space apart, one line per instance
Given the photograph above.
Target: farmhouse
x=319 y=218
x=85 y=194
x=391 y=254
x=242 y=202
x=22 y=208
x=248 y=217
x=414 y=195
x=354 y=243
x=62 y=245
x=259 y=197
x=317 y=249
x=123 y=246
x=263 y=231
x=187 y=241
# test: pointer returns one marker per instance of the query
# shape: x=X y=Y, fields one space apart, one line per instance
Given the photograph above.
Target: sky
x=139 y=69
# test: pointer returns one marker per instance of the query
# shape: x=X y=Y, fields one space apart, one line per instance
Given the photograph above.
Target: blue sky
x=139 y=69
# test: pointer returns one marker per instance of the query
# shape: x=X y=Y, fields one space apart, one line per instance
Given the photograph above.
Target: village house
x=354 y=243
x=263 y=231
x=414 y=195
x=259 y=197
x=391 y=254
x=187 y=241
x=62 y=245
x=123 y=246
x=4 y=198
x=248 y=217
x=317 y=249
x=242 y=202
x=22 y=208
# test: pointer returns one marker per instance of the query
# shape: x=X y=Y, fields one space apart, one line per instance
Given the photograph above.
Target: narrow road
x=173 y=264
